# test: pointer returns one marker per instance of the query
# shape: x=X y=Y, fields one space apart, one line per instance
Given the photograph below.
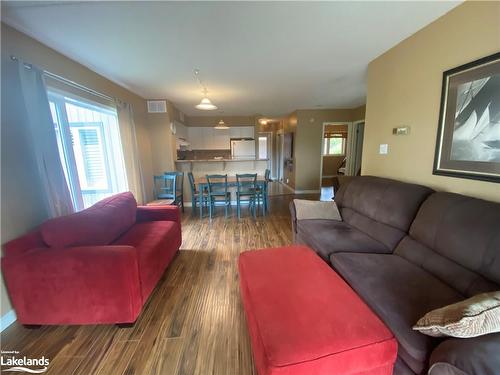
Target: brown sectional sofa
x=407 y=250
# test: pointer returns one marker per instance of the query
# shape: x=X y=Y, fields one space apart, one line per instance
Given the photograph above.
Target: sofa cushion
x=311 y=209
x=475 y=316
x=97 y=225
x=400 y=293
x=330 y=236
x=457 y=239
x=156 y=242
x=479 y=355
x=382 y=208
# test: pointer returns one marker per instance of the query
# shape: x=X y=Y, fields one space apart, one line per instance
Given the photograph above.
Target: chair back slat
x=179 y=180
x=191 y=182
x=165 y=186
x=246 y=182
x=217 y=183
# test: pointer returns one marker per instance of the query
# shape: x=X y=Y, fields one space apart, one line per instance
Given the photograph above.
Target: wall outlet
x=287 y=180
x=383 y=149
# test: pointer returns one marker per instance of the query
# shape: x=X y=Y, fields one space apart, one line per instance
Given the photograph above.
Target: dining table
x=202 y=184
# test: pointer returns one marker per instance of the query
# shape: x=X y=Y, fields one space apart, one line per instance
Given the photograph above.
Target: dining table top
x=231 y=179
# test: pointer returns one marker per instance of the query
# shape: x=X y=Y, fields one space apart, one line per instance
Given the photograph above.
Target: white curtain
x=42 y=142
x=128 y=137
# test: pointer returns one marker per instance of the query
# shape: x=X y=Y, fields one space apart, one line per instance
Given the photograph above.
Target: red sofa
x=97 y=266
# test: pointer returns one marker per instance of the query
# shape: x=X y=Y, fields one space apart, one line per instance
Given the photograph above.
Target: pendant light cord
x=197 y=76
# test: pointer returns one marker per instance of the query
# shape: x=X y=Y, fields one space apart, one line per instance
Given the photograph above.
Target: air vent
x=157 y=106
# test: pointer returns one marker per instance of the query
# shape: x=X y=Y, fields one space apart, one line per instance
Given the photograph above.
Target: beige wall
x=163 y=142
x=21 y=207
x=359 y=113
x=308 y=144
x=404 y=88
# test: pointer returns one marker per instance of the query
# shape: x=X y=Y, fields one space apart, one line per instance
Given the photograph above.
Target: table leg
x=201 y=188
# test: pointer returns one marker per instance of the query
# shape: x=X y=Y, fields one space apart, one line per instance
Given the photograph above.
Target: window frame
x=60 y=99
x=326 y=145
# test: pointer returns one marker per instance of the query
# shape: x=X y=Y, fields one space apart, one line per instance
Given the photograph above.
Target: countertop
x=218 y=160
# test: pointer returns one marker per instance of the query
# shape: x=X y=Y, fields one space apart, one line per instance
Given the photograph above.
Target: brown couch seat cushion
x=400 y=293
x=329 y=236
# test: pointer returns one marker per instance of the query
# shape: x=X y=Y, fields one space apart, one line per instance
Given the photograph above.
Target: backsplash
x=202 y=154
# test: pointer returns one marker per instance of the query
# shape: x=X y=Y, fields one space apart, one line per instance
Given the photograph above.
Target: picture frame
x=468 y=137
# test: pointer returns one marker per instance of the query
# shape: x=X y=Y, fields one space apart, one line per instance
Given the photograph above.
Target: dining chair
x=218 y=193
x=246 y=186
x=263 y=192
x=178 y=196
x=164 y=187
x=195 y=195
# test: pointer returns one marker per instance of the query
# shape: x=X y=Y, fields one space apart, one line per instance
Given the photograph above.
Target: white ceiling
x=265 y=58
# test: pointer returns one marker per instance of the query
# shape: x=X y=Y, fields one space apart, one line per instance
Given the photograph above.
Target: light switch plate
x=403 y=130
x=383 y=149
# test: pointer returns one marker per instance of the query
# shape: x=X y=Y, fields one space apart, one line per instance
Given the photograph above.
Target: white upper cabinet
x=195 y=137
x=221 y=139
x=181 y=130
x=241 y=132
x=247 y=131
x=208 y=138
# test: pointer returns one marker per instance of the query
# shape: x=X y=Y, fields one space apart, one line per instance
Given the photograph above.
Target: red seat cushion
x=97 y=225
x=304 y=319
x=156 y=243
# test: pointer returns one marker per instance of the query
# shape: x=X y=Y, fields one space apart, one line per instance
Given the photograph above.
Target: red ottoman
x=304 y=319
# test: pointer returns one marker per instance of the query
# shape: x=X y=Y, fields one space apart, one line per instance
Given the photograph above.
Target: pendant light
x=205 y=104
x=221 y=125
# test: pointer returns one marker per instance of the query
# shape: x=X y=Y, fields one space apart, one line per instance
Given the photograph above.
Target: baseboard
x=9 y=318
x=307 y=191
x=288 y=187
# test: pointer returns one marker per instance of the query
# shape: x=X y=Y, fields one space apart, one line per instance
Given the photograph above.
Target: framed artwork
x=468 y=139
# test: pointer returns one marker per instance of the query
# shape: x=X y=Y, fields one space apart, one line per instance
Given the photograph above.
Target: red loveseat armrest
x=79 y=285
x=156 y=213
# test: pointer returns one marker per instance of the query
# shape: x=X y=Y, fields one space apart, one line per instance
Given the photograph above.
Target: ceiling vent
x=157 y=106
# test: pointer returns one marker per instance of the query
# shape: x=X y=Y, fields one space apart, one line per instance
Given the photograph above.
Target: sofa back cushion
x=382 y=208
x=457 y=239
x=97 y=225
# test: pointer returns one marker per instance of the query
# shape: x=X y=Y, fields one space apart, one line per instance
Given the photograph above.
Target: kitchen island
x=231 y=165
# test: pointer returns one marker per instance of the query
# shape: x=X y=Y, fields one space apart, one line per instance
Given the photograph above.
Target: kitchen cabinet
x=208 y=138
x=221 y=139
x=242 y=132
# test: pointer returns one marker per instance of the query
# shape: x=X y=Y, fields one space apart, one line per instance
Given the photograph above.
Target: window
x=334 y=144
x=89 y=145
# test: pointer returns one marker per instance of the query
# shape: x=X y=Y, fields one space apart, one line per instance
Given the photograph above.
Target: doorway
x=358 y=133
x=279 y=157
x=334 y=153
x=265 y=149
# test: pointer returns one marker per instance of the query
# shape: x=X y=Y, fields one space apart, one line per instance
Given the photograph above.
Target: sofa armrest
x=477 y=355
x=79 y=285
x=158 y=213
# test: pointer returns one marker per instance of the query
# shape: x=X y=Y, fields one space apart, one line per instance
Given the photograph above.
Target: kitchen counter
x=218 y=160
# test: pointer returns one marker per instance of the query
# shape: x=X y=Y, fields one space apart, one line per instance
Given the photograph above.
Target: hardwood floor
x=193 y=323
